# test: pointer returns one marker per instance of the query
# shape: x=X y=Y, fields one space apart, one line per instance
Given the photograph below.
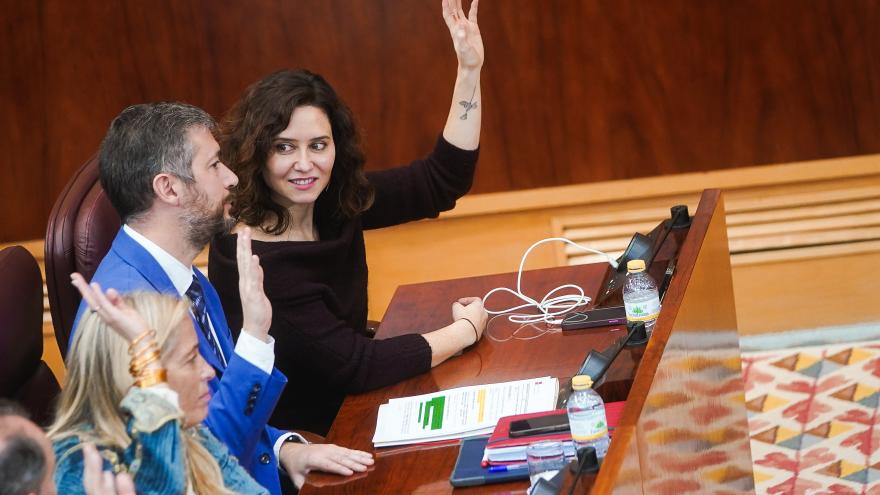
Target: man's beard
x=202 y=223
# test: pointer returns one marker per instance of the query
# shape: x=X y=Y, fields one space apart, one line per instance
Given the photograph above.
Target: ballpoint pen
x=507 y=467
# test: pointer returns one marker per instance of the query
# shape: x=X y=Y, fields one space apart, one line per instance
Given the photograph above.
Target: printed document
x=461 y=412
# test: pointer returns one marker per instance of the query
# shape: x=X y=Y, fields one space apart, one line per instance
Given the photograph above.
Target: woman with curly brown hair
x=302 y=188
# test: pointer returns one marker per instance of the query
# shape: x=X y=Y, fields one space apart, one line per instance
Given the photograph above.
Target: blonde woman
x=137 y=388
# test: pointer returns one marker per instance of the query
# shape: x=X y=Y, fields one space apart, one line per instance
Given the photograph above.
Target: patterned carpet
x=812 y=417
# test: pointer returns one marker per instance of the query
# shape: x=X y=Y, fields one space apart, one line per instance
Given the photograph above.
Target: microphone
x=597 y=363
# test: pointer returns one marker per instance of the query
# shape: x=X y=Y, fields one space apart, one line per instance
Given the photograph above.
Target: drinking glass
x=545 y=459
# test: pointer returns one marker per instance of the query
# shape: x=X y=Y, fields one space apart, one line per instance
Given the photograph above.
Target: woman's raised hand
x=465 y=33
x=255 y=306
x=111 y=308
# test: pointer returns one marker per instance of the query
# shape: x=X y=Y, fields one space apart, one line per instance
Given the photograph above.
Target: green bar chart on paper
x=462 y=411
x=431 y=413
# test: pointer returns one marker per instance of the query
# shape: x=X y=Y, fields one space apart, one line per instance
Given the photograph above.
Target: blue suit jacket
x=243 y=395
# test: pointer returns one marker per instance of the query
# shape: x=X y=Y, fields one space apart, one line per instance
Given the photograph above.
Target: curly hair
x=249 y=128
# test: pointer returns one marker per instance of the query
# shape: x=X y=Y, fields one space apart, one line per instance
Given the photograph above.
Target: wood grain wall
x=574 y=90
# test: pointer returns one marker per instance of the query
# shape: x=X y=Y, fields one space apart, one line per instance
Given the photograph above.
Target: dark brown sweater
x=318 y=292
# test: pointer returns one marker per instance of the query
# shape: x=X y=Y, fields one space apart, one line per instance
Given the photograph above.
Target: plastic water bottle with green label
x=586 y=416
x=640 y=296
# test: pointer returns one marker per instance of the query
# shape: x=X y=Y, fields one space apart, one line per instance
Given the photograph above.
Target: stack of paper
x=461 y=412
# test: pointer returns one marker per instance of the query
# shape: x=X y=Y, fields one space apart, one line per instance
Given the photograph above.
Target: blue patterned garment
x=155 y=457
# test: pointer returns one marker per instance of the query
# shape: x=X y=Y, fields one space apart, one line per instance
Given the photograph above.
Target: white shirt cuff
x=280 y=442
x=255 y=351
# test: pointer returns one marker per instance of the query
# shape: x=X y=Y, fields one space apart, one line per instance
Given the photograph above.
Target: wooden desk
x=684 y=428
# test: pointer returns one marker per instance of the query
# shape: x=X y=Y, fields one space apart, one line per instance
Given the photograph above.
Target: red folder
x=500 y=438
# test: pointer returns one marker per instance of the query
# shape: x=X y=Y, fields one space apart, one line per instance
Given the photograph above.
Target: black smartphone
x=596 y=317
x=539 y=425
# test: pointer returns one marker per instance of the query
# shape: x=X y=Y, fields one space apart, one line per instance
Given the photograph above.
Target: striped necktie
x=200 y=310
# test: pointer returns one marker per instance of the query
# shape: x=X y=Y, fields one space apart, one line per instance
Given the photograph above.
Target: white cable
x=550 y=306
x=537 y=331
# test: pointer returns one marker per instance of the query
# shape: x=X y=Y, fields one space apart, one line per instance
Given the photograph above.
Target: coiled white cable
x=551 y=306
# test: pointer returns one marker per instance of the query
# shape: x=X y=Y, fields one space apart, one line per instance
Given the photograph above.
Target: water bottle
x=640 y=296
x=586 y=416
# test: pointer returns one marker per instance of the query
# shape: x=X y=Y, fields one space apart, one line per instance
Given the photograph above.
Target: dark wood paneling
x=23 y=192
x=574 y=90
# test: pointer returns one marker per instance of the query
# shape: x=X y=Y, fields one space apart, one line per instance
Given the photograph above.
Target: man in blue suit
x=160 y=169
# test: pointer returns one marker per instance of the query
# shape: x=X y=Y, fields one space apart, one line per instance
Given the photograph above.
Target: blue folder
x=469 y=471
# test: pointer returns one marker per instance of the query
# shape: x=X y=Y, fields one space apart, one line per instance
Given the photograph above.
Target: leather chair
x=24 y=377
x=81 y=229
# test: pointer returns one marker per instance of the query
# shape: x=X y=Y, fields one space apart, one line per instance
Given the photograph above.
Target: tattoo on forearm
x=468 y=105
